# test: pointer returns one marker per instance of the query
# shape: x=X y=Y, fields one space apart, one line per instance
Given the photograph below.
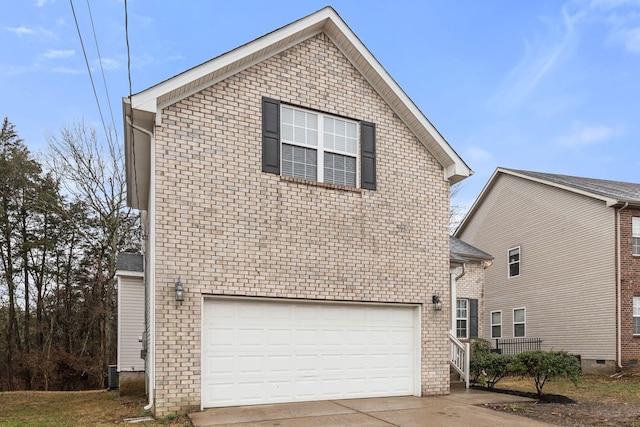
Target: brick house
x=567 y=263
x=295 y=208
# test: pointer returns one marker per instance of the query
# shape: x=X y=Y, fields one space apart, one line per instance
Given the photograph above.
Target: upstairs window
x=316 y=146
x=635 y=225
x=519 y=323
x=514 y=262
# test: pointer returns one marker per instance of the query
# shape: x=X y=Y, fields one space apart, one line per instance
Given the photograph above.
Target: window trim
x=635 y=308
x=465 y=319
x=635 y=234
x=495 y=324
x=524 y=322
x=519 y=262
x=320 y=147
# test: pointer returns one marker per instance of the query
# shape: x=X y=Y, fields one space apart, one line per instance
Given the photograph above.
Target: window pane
x=496 y=318
x=636 y=306
x=636 y=325
x=518 y=330
x=518 y=315
x=300 y=127
x=514 y=255
x=341 y=135
x=636 y=245
x=514 y=270
x=636 y=226
x=287 y=115
x=339 y=169
x=461 y=329
x=496 y=331
x=299 y=162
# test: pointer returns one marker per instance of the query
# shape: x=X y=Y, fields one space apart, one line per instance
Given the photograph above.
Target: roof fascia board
x=452 y=163
x=147 y=99
x=608 y=200
x=327 y=20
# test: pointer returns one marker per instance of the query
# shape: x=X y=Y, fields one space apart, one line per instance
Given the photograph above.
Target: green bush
x=545 y=365
x=488 y=368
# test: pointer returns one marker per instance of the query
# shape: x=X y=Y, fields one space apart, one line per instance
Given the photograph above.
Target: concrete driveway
x=457 y=409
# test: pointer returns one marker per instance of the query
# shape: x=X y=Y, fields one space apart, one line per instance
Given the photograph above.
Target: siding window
x=496 y=324
x=462 y=316
x=315 y=146
x=636 y=235
x=519 y=323
x=514 y=262
x=636 y=315
x=318 y=147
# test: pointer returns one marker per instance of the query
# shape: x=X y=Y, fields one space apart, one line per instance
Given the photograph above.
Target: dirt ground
x=597 y=401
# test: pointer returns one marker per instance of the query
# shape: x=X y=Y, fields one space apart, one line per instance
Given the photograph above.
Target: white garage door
x=259 y=351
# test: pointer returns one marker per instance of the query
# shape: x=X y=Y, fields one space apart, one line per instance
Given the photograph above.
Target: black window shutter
x=473 y=318
x=368 y=155
x=270 y=135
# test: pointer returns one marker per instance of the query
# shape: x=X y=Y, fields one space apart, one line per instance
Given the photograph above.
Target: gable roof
x=141 y=110
x=612 y=193
x=462 y=252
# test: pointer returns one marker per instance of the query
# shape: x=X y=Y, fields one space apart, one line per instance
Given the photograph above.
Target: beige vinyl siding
x=567 y=271
x=131 y=324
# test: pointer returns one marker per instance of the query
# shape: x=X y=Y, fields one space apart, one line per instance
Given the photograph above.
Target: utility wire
x=86 y=60
x=95 y=38
x=133 y=141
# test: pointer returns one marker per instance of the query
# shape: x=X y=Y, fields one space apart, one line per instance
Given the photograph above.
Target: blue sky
x=549 y=86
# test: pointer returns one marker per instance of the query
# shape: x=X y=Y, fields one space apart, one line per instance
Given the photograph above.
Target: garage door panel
x=258 y=351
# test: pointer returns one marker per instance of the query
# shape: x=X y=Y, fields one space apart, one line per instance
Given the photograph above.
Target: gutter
x=150 y=281
x=619 y=285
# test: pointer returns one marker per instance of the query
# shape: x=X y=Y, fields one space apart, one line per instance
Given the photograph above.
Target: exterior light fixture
x=437 y=302
x=179 y=291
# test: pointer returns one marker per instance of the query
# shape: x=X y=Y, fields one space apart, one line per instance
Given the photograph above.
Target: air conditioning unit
x=113 y=377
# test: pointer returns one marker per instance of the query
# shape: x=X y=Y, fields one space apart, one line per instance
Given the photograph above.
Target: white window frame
x=635 y=236
x=320 y=147
x=523 y=323
x=462 y=319
x=636 y=315
x=496 y=324
x=519 y=262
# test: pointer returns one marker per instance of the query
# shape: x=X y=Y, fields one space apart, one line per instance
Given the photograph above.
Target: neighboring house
x=468 y=265
x=130 y=276
x=567 y=263
x=295 y=204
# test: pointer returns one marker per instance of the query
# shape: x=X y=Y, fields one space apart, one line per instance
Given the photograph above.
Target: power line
x=104 y=80
x=133 y=142
x=86 y=60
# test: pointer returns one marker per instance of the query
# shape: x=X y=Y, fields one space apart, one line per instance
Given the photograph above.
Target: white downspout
x=452 y=328
x=619 y=285
x=151 y=278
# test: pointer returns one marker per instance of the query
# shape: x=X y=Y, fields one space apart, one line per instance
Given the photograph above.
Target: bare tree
x=92 y=172
x=456 y=212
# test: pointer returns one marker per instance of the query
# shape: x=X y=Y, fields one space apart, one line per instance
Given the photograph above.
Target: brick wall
x=630 y=287
x=471 y=285
x=226 y=228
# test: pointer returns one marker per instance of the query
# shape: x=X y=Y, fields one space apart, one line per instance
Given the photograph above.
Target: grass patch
x=58 y=409
x=592 y=388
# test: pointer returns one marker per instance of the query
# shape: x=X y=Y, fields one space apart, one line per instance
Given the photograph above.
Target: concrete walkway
x=457 y=409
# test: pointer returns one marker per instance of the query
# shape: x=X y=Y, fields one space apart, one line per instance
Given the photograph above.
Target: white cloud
x=540 y=56
x=57 y=54
x=582 y=135
x=42 y=3
x=110 y=64
x=67 y=70
x=21 y=30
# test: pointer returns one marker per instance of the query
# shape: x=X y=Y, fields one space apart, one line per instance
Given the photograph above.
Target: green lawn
x=57 y=409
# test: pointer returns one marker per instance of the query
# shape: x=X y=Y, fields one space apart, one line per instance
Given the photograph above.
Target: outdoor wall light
x=179 y=291
x=437 y=302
